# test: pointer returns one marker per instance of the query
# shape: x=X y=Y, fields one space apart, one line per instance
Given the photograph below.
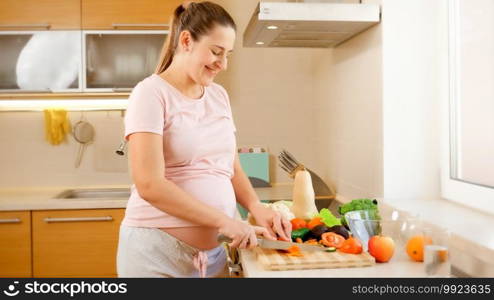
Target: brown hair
x=196 y=17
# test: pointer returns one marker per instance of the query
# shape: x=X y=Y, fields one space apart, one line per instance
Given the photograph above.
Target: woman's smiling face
x=209 y=55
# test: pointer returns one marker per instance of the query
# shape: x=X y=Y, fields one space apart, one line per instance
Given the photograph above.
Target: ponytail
x=166 y=55
x=196 y=17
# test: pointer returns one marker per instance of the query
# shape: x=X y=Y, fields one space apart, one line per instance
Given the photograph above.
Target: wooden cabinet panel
x=76 y=243
x=15 y=244
x=97 y=14
x=37 y=15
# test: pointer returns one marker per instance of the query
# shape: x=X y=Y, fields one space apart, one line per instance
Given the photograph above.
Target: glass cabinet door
x=40 y=61
x=118 y=60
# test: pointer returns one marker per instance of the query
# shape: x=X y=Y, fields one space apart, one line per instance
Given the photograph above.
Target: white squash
x=304 y=200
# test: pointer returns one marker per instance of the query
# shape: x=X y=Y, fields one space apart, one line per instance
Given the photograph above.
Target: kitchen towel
x=57 y=125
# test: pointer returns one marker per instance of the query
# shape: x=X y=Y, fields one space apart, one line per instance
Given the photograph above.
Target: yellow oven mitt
x=57 y=125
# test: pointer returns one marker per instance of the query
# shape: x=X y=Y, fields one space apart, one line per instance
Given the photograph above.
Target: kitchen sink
x=94 y=193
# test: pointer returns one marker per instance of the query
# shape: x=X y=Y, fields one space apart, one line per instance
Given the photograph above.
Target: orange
x=415 y=247
x=443 y=255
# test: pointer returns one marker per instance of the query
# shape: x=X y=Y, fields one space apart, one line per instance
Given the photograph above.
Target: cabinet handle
x=10 y=221
x=13 y=91
x=115 y=25
x=121 y=90
x=82 y=219
x=40 y=25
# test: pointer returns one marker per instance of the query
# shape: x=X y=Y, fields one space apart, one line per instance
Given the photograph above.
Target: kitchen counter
x=44 y=198
x=398 y=266
x=471 y=254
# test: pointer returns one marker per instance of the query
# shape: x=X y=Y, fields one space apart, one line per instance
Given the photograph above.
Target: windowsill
x=472 y=241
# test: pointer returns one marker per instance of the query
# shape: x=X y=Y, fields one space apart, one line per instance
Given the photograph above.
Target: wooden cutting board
x=273 y=260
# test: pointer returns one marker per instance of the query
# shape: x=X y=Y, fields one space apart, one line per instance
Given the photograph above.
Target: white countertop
x=471 y=245
x=43 y=198
x=398 y=266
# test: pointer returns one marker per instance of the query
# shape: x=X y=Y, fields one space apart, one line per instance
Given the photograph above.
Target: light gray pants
x=151 y=252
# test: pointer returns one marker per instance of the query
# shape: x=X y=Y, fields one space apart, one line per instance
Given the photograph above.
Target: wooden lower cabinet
x=75 y=243
x=15 y=244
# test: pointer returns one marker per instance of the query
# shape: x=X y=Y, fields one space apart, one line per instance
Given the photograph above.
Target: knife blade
x=278 y=245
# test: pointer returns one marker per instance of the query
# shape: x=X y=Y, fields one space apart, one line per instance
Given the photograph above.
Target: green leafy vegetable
x=328 y=218
x=360 y=204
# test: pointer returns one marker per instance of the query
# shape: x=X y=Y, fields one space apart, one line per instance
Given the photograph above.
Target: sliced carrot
x=293 y=251
x=311 y=242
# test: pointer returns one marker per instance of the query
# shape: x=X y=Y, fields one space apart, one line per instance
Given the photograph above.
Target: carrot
x=311 y=242
x=293 y=251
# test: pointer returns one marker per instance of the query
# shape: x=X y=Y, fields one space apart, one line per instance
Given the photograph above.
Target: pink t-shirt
x=198 y=146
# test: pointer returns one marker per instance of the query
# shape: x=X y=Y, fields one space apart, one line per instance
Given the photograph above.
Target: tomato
x=352 y=246
x=314 y=222
x=298 y=223
x=331 y=239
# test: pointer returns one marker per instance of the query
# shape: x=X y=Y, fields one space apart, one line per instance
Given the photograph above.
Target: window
x=468 y=165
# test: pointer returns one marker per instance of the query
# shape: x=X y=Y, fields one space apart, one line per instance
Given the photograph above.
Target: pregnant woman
x=186 y=173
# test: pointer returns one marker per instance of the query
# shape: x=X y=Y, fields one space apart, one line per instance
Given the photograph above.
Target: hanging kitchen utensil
x=84 y=134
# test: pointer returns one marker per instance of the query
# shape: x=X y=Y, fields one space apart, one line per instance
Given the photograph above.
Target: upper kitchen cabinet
x=127 y=14
x=41 y=15
x=45 y=61
x=116 y=60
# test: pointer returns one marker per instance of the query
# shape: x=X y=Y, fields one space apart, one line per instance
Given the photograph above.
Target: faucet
x=121 y=148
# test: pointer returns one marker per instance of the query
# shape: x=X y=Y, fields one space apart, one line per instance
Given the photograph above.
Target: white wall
x=378 y=105
x=413 y=44
x=272 y=95
x=272 y=98
x=349 y=114
x=363 y=115
x=27 y=160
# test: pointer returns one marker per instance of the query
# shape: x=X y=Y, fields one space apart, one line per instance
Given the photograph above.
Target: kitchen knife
x=278 y=245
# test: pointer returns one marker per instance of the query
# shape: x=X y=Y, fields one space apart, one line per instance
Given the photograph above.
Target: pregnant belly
x=214 y=191
x=203 y=238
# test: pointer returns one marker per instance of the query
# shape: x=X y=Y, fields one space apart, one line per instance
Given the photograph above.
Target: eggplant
x=318 y=230
x=341 y=230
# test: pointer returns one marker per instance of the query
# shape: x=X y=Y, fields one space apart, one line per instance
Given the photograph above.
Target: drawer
x=76 y=243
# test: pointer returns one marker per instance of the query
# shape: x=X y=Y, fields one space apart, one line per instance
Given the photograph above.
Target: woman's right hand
x=242 y=234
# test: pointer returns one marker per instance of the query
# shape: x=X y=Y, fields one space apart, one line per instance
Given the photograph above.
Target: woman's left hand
x=273 y=221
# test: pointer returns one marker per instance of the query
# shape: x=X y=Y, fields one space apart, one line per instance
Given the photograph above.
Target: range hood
x=308 y=24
